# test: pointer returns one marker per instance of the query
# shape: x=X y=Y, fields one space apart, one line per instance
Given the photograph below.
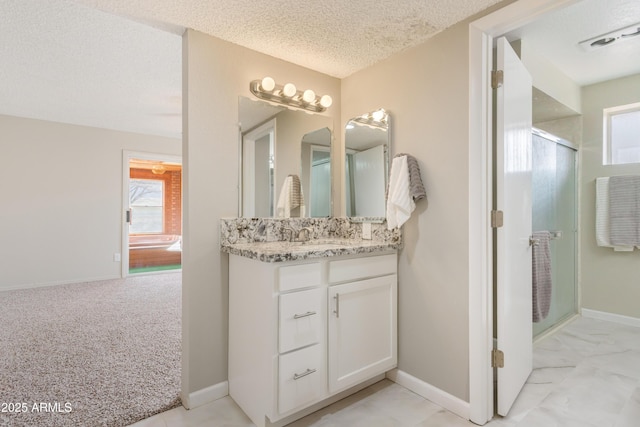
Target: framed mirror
x=367 y=151
x=284 y=152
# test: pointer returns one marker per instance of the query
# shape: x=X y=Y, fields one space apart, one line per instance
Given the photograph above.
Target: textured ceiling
x=557 y=35
x=68 y=63
x=116 y=64
x=336 y=37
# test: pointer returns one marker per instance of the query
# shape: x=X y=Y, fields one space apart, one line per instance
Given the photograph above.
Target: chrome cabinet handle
x=533 y=242
x=337 y=310
x=304 y=374
x=307 y=314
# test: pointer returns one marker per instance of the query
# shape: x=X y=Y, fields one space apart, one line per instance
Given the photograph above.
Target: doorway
x=152 y=226
x=482 y=34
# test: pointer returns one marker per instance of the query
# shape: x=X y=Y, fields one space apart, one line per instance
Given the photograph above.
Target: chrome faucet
x=304 y=235
x=290 y=232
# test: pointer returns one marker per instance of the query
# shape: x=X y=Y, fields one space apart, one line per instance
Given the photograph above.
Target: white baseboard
x=57 y=283
x=206 y=395
x=431 y=393
x=611 y=317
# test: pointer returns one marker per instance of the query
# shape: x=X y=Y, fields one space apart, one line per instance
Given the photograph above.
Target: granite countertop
x=315 y=248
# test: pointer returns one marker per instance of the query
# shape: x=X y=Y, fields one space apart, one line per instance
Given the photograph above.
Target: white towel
x=291 y=197
x=602 y=216
x=400 y=204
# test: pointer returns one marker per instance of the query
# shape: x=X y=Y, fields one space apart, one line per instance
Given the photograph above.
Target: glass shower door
x=554 y=192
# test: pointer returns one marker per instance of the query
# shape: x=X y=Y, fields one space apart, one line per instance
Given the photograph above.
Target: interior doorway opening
x=152 y=237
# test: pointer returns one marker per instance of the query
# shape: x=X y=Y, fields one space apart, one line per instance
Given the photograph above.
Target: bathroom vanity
x=308 y=321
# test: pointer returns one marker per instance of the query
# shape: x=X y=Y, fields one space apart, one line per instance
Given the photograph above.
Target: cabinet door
x=362 y=330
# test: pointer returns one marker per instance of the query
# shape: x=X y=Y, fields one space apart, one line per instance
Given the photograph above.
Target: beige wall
x=426 y=93
x=62 y=200
x=215 y=73
x=291 y=127
x=609 y=279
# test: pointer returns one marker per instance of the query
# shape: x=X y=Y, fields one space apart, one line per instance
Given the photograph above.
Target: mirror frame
x=377 y=119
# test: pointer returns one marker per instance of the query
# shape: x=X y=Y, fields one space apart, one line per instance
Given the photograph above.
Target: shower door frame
x=576 y=235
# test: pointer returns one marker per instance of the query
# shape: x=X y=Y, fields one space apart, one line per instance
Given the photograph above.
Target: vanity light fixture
x=289 y=95
x=377 y=119
x=626 y=33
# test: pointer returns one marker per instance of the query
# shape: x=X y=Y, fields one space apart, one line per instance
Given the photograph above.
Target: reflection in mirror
x=367 y=164
x=316 y=172
x=276 y=143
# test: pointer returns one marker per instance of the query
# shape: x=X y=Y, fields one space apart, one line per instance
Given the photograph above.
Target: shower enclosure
x=554 y=199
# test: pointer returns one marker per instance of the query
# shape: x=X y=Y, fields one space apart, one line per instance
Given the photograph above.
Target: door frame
x=482 y=33
x=127 y=155
x=247 y=163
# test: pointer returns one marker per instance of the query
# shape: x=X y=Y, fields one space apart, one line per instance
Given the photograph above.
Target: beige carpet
x=90 y=354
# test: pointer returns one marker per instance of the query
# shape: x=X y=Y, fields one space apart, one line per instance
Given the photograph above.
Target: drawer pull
x=304 y=374
x=307 y=314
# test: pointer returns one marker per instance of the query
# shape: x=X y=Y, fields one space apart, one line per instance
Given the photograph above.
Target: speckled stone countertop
x=264 y=239
x=318 y=248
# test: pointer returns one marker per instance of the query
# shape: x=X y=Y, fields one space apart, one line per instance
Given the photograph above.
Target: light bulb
x=268 y=84
x=309 y=96
x=289 y=90
x=378 y=115
x=326 y=101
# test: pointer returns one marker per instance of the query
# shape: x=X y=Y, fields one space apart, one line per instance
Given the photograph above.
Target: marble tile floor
x=587 y=374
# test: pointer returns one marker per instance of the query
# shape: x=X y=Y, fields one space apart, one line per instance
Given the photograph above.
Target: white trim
x=247 y=168
x=481 y=35
x=126 y=156
x=610 y=317
x=206 y=395
x=59 y=283
x=431 y=393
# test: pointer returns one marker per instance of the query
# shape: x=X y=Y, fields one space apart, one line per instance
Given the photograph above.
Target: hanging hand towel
x=399 y=201
x=291 y=197
x=416 y=187
x=624 y=210
x=602 y=216
x=541 y=263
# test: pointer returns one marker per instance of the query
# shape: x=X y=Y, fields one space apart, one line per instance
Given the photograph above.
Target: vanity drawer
x=299 y=276
x=301 y=319
x=362 y=268
x=301 y=378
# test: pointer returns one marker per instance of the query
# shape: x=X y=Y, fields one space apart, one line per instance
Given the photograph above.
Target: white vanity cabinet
x=301 y=332
x=362 y=337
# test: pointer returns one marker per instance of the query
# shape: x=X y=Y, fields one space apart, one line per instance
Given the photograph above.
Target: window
x=146 y=198
x=622 y=134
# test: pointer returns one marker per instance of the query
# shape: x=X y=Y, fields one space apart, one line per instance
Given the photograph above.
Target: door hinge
x=497 y=78
x=497 y=219
x=497 y=358
x=128 y=216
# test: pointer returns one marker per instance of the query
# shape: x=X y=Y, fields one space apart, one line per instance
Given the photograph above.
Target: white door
x=369 y=182
x=513 y=197
x=362 y=330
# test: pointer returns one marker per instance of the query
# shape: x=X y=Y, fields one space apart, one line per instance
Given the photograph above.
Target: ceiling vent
x=626 y=33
